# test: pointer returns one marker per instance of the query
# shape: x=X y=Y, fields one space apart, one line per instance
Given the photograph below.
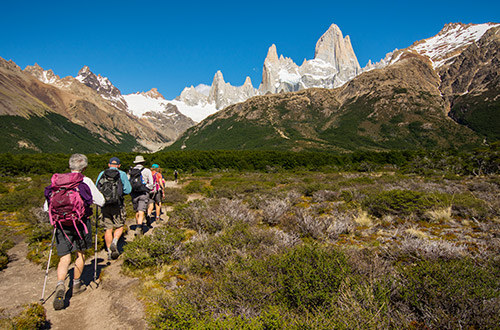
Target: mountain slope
x=106 y=127
x=420 y=99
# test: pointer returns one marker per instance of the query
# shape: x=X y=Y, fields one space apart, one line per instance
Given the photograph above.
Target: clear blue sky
x=139 y=45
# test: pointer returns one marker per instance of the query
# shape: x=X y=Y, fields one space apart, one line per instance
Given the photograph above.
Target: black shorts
x=156 y=197
x=68 y=239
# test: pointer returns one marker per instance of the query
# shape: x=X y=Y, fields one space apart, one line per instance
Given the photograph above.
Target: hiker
x=113 y=184
x=68 y=201
x=141 y=180
x=157 y=194
x=176 y=175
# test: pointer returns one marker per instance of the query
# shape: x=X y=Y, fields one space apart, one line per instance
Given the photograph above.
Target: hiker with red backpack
x=113 y=183
x=68 y=201
x=157 y=194
x=141 y=180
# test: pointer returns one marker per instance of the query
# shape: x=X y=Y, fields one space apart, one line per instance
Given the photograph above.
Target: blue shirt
x=127 y=187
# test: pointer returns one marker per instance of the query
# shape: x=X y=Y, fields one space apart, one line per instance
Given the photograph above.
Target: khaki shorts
x=112 y=216
x=140 y=202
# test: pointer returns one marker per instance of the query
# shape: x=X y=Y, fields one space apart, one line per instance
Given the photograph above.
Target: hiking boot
x=59 y=297
x=114 y=251
x=79 y=288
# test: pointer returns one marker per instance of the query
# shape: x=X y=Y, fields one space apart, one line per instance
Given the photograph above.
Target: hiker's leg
x=158 y=210
x=79 y=264
x=150 y=209
x=118 y=233
x=108 y=237
x=62 y=267
x=140 y=217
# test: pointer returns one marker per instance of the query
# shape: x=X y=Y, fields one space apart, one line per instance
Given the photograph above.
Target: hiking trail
x=112 y=304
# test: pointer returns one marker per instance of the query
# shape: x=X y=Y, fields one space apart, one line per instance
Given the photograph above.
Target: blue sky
x=139 y=45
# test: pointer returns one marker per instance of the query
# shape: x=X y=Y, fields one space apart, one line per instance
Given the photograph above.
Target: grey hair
x=78 y=162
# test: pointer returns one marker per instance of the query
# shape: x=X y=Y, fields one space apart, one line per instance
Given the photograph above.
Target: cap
x=155 y=166
x=114 y=161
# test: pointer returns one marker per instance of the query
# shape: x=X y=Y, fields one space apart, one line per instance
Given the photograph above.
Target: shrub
x=5 y=244
x=194 y=187
x=209 y=253
x=211 y=216
x=162 y=247
x=31 y=318
x=309 y=277
x=174 y=196
x=273 y=210
x=451 y=294
x=398 y=202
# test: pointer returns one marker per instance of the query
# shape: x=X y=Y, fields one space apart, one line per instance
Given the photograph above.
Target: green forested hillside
x=54 y=133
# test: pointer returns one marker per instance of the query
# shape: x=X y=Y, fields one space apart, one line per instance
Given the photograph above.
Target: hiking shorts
x=140 y=202
x=68 y=239
x=156 y=197
x=112 y=216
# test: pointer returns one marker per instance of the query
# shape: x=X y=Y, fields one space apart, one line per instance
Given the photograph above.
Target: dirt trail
x=113 y=304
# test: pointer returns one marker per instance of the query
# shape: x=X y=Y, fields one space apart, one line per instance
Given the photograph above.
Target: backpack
x=111 y=186
x=136 y=181
x=157 y=177
x=66 y=206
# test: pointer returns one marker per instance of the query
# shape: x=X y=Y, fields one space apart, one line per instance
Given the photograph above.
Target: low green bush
x=5 y=244
x=153 y=250
x=32 y=317
x=451 y=294
x=401 y=203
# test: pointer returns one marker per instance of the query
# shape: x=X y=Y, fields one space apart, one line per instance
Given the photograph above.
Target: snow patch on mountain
x=139 y=104
x=442 y=47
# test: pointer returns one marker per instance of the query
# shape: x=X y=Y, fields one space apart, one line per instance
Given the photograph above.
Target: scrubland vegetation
x=373 y=241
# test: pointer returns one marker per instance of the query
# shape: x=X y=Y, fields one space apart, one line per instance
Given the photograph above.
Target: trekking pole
x=95 y=248
x=48 y=265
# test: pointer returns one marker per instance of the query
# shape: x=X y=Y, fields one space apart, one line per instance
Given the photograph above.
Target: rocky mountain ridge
x=425 y=96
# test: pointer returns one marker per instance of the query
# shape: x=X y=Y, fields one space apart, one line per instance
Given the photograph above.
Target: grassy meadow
x=374 y=242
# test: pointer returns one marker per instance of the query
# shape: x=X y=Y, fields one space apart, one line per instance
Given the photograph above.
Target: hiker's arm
x=127 y=187
x=97 y=197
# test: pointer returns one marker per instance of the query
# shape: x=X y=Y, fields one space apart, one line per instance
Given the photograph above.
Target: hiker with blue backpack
x=68 y=200
x=113 y=183
x=141 y=180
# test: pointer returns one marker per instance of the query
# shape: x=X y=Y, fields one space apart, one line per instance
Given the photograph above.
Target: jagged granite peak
x=279 y=74
x=45 y=76
x=154 y=94
x=224 y=94
x=192 y=97
x=98 y=83
x=272 y=55
x=103 y=86
x=333 y=48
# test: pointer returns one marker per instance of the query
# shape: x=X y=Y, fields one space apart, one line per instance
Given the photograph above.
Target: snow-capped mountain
x=333 y=65
x=441 y=49
x=140 y=104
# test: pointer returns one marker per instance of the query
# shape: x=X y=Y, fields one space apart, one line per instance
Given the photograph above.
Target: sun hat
x=155 y=166
x=114 y=161
x=139 y=159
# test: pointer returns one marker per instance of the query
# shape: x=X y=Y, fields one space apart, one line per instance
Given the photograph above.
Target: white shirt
x=147 y=176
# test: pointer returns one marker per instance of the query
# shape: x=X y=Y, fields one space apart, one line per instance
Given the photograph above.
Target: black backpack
x=136 y=181
x=111 y=186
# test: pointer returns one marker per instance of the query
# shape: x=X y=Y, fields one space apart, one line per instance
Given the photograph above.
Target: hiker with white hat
x=142 y=183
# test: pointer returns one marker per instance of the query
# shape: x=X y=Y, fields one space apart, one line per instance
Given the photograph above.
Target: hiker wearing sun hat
x=157 y=194
x=141 y=180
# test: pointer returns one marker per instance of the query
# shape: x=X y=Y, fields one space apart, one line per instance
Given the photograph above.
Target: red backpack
x=66 y=206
